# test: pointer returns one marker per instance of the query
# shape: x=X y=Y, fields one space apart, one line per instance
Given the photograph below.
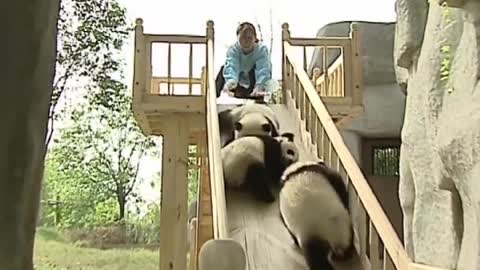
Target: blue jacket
x=238 y=64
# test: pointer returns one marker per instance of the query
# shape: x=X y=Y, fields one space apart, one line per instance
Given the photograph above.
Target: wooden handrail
x=372 y=206
x=336 y=42
x=219 y=205
x=178 y=39
x=299 y=81
x=147 y=83
x=177 y=80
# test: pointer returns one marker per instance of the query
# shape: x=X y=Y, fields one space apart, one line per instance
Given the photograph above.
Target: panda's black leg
x=257 y=182
x=295 y=240
x=316 y=254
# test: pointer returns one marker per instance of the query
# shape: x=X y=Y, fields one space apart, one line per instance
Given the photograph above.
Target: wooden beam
x=174 y=194
x=173 y=104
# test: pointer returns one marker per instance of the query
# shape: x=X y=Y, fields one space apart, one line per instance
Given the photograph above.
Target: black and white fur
x=253 y=118
x=314 y=207
x=226 y=124
x=256 y=163
x=254 y=123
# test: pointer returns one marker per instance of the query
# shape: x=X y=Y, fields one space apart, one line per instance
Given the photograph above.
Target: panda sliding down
x=249 y=119
x=314 y=207
x=256 y=163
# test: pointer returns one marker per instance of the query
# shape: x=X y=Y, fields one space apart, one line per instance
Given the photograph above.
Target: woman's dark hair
x=244 y=25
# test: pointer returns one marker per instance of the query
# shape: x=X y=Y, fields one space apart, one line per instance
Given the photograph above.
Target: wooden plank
x=173 y=104
x=177 y=80
x=176 y=39
x=159 y=122
x=193 y=229
x=204 y=211
x=330 y=42
x=214 y=154
x=418 y=266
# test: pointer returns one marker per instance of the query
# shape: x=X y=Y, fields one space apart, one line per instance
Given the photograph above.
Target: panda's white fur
x=255 y=107
x=314 y=207
x=252 y=118
x=254 y=123
x=256 y=163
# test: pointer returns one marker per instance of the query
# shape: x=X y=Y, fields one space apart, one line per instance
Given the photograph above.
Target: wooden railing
x=158 y=84
x=379 y=246
x=341 y=81
x=332 y=82
x=143 y=63
x=219 y=205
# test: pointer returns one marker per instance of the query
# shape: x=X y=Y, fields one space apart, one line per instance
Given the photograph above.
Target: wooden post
x=139 y=60
x=285 y=77
x=210 y=34
x=193 y=243
x=140 y=80
x=173 y=215
x=57 y=208
x=357 y=62
x=204 y=204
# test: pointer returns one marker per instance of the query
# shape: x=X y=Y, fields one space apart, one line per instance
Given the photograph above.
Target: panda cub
x=249 y=119
x=257 y=108
x=314 y=206
x=254 y=124
x=256 y=163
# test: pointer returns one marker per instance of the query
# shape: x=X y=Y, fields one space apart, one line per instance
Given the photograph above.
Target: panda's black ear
x=288 y=135
x=238 y=126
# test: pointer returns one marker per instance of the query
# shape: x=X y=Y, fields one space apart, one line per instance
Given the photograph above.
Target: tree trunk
x=121 y=207
x=24 y=101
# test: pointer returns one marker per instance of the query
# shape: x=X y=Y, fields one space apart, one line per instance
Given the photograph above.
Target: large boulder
x=440 y=155
x=376 y=49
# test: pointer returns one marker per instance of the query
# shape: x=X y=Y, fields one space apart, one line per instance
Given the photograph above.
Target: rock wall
x=29 y=63
x=440 y=156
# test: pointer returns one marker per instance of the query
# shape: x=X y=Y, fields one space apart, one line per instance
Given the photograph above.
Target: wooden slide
x=258 y=227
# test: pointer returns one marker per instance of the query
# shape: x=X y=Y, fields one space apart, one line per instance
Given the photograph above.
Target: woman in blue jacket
x=247 y=68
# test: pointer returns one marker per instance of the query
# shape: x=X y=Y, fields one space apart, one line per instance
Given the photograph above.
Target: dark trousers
x=239 y=91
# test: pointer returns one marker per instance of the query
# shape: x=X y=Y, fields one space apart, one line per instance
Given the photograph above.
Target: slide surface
x=258 y=227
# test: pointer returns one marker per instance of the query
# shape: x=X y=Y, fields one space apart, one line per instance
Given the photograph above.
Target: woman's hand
x=229 y=86
x=258 y=91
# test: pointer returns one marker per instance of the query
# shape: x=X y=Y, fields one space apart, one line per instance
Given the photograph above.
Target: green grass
x=53 y=252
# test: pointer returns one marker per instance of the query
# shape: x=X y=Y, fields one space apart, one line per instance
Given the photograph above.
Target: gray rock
x=440 y=155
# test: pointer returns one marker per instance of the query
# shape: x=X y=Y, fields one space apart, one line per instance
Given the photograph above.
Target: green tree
x=71 y=190
x=101 y=148
x=89 y=34
x=105 y=143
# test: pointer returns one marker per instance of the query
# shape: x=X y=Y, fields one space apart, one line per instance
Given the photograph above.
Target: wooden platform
x=154 y=111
